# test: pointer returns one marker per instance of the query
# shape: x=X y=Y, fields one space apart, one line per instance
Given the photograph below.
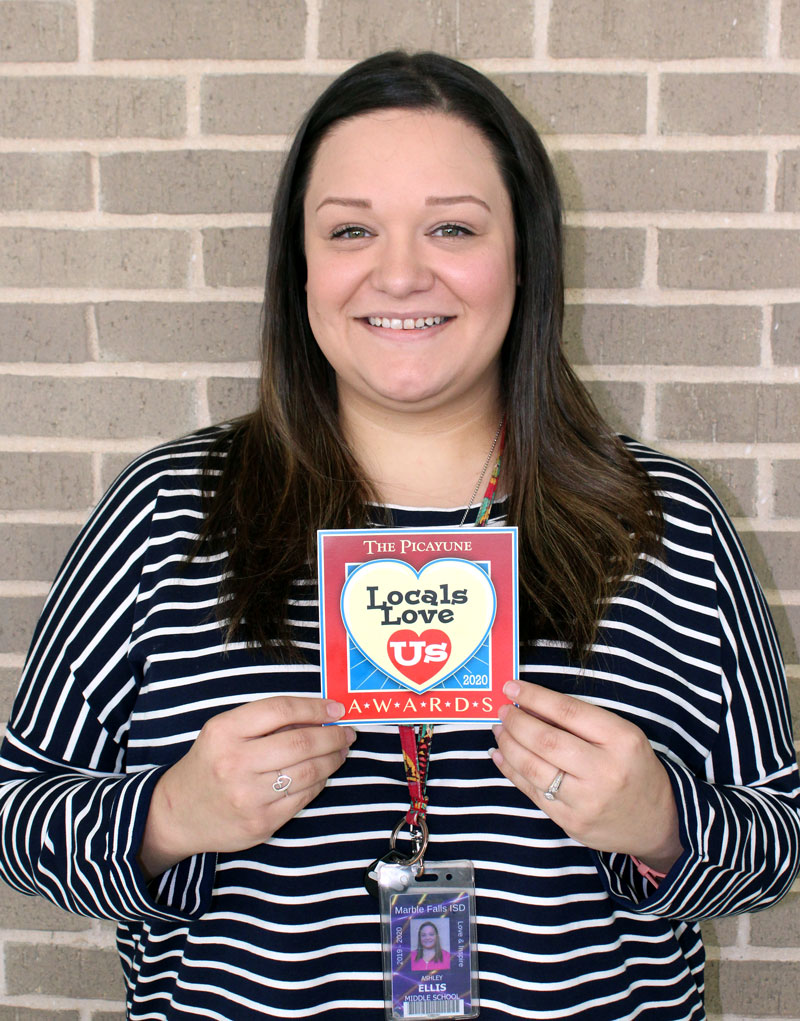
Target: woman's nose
x=401 y=268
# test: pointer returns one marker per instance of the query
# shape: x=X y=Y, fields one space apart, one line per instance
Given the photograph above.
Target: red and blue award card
x=418 y=625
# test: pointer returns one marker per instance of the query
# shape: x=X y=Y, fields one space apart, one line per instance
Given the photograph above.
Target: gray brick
x=258 y=104
x=189 y=182
x=734 y=481
x=729 y=412
x=108 y=1015
x=178 y=331
x=109 y=408
x=33 y=552
x=787 y=625
x=720 y=932
x=63 y=971
x=729 y=259
x=43 y=333
x=45 y=180
x=352 y=29
x=231 y=396
x=19 y=911
x=787 y=189
x=567 y=104
x=668 y=335
x=620 y=404
x=794 y=700
x=489 y=29
x=235 y=29
x=110 y=467
x=754 y=988
x=730 y=104
x=45 y=481
x=619 y=28
x=786 y=334
x=786 y=476
x=779 y=926
x=18 y=616
x=613 y=181
x=775 y=557
x=31 y=257
x=38 y=31
x=790 y=28
x=235 y=256
x=9 y=682
x=92 y=107
x=33 y=1014
x=603 y=256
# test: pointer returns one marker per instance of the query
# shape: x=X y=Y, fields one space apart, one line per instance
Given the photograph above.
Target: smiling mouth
x=422 y=323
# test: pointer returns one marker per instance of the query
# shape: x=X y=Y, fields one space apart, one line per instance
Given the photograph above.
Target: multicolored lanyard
x=416 y=744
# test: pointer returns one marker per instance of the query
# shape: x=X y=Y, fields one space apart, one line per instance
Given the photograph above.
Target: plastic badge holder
x=430 y=959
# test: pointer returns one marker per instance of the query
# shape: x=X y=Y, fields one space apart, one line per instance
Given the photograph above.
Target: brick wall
x=139 y=144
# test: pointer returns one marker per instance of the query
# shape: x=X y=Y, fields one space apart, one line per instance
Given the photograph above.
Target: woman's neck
x=424 y=460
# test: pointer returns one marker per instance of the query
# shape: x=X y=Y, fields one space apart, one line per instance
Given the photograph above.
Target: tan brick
x=258 y=104
x=45 y=481
x=235 y=29
x=787 y=188
x=108 y=408
x=42 y=333
x=720 y=932
x=754 y=988
x=619 y=28
x=235 y=256
x=670 y=335
x=775 y=557
x=38 y=31
x=63 y=971
x=786 y=334
x=231 y=396
x=489 y=29
x=729 y=412
x=34 y=1014
x=779 y=926
x=52 y=180
x=628 y=181
x=89 y=107
x=729 y=104
x=790 y=28
x=620 y=404
x=786 y=478
x=787 y=625
x=110 y=467
x=33 y=552
x=734 y=481
x=566 y=104
x=9 y=682
x=356 y=28
x=178 y=331
x=603 y=256
x=729 y=259
x=18 y=616
x=189 y=182
x=31 y=257
x=107 y=1015
x=794 y=700
x=20 y=911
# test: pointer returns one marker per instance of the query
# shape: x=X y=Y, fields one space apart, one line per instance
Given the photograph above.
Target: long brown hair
x=584 y=508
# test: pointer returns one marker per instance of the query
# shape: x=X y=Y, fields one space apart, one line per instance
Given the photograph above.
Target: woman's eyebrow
x=454 y=200
x=333 y=201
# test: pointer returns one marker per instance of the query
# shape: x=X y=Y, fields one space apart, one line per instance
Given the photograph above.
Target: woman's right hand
x=220 y=795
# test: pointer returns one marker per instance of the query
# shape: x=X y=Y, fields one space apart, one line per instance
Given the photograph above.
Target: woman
x=430 y=955
x=165 y=764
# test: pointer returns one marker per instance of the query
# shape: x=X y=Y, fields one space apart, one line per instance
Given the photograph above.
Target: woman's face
x=427 y=936
x=409 y=242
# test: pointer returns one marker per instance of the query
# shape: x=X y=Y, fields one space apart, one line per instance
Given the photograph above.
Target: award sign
x=418 y=625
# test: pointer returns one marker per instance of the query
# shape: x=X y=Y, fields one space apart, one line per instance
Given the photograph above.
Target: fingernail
x=497 y=756
x=497 y=730
x=335 y=710
x=503 y=711
x=350 y=734
x=511 y=689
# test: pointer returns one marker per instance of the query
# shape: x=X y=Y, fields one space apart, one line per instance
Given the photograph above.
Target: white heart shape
x=371 y=616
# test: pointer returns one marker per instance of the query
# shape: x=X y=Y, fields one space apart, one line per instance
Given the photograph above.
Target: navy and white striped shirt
x=128 y=662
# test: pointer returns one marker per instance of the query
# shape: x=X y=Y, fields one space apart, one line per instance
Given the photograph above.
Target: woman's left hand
x=615 y=794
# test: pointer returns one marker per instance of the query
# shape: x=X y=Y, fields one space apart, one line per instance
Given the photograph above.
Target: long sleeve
x=72 y=816
x=740 y=818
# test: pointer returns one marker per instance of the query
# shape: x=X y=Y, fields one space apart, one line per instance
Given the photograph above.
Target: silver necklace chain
x=483 y=472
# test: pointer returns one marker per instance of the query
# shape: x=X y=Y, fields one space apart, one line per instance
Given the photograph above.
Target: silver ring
x=283 y=783
x=552 y=790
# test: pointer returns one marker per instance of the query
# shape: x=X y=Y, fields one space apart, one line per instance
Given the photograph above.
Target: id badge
x=430 y=960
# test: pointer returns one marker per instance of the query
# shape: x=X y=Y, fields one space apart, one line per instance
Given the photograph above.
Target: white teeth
x=405 y=324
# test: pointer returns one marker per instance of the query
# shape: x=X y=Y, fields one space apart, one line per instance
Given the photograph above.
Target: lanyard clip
x=419 y=838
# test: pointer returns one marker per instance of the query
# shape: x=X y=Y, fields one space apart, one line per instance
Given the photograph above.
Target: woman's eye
x=350 y=233
x=451 y=230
